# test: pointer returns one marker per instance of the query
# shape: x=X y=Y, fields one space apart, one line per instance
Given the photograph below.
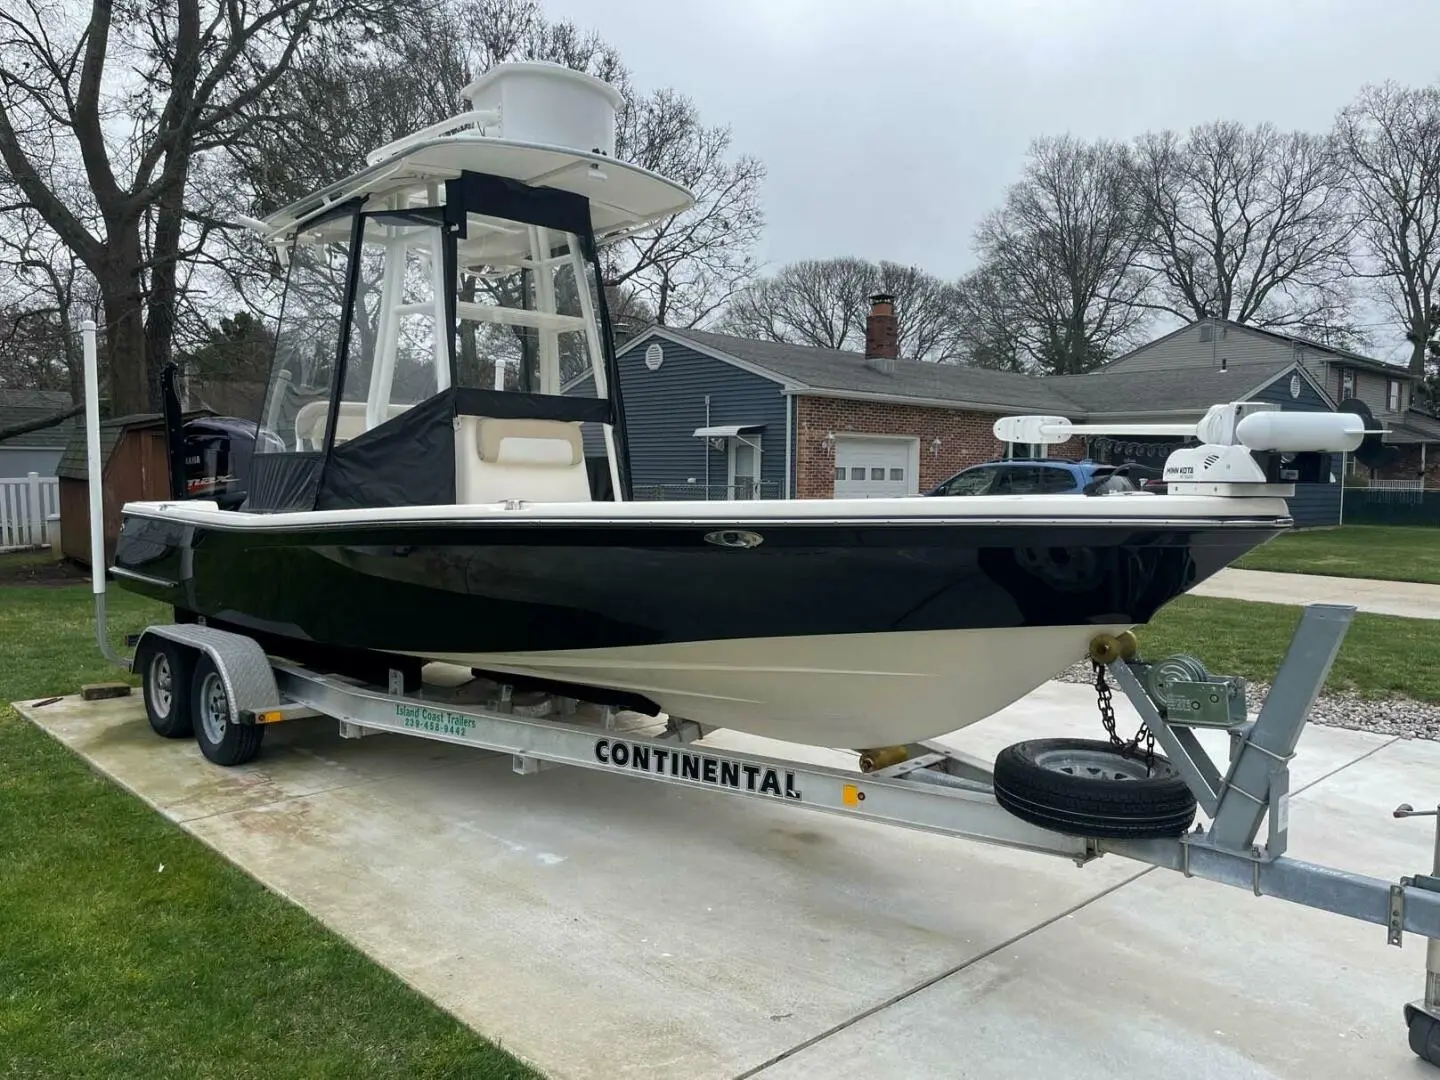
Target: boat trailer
x=222 y=688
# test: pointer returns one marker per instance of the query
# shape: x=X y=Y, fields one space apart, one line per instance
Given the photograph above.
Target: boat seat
x=311 y=419
x=533 y=460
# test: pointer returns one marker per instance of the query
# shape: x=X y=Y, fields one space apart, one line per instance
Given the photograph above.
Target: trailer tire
x=221 y=739
x=1090 y=788
x=165 y=684
x=1424 y=1034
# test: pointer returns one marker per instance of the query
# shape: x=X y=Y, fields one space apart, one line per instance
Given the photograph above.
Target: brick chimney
x=881 y=347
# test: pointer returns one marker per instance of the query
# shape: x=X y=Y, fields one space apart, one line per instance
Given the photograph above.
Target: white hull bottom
x=855 y=691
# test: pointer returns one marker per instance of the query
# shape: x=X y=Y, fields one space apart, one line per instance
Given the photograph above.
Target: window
x=877 y=474
x=1392 y=395
x=897 y=474
x=1055 y=480
x=840 y=472
x=1021 y=480
x=1028 y=451
x=971 y=482
x=1347 y=382
x=857 y=474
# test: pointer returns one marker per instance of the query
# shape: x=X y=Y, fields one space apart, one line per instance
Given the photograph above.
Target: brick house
x=716 y=416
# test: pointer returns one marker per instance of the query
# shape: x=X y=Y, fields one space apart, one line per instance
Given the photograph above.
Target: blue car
x=1037 y=476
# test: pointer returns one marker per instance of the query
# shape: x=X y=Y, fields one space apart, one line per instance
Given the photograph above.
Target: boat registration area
x=603 y=927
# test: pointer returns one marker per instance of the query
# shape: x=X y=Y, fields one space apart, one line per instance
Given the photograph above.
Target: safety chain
x=1107 y=717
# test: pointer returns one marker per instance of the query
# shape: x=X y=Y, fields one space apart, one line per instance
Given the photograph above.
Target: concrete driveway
x=1410 y=599
x=604 y=927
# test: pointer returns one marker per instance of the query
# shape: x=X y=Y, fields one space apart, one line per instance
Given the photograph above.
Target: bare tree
x=179 y=79
x=1248 y=225
x=819 y=302
x=989 y=325
x=1063 y=250
x=824 y=302
x=45 y=293
x=688 y=266
x=1389 y=140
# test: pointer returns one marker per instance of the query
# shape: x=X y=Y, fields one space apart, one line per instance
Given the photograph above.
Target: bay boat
x=423 y=492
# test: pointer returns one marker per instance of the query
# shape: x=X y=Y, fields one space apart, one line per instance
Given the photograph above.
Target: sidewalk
x=1412 y=600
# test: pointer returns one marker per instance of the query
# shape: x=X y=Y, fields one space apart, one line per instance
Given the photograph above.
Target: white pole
x=92 y=458
x=97 y=501
x=34 y=523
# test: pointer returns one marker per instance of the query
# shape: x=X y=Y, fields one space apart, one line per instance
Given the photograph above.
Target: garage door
x=873 y=468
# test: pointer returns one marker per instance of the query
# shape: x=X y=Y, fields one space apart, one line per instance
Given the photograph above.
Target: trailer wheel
x=221 y=739
x=1424 y=1034
x=164 y=668
x=1086 y=787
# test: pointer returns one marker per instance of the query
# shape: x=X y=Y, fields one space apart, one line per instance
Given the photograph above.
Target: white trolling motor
x=1246 y=447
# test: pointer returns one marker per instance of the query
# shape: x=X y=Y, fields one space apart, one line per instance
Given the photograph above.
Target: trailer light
x=851 y=795
x=274 y=716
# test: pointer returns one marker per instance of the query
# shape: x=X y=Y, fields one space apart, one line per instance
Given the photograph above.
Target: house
x=36 y=451
x=716 y=416
x=1217 y=345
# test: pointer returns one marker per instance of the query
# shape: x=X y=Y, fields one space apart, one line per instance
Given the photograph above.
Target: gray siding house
x=1219 y=346
x=37 y=451
x=715 y=416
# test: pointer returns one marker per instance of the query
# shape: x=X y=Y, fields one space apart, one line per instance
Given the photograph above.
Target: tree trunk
x=125 y=348
x=160 y=309
x=122 y=298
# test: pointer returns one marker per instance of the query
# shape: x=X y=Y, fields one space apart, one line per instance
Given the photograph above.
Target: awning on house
x=726 y=431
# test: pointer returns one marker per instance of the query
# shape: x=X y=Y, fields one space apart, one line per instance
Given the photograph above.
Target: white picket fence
x=26 y=504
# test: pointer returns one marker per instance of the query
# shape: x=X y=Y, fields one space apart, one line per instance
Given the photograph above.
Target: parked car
x=1050 y=476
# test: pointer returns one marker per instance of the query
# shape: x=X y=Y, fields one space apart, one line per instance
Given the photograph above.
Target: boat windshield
x=412 y=335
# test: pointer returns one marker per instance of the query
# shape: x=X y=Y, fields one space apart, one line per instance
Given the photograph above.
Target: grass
x=111 y=968
x=1381 y=656
x=1387 y=552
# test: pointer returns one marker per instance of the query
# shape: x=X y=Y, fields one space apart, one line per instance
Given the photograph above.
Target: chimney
x=881 y=347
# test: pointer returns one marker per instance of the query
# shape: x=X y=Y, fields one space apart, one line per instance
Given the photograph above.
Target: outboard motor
x=209 y=455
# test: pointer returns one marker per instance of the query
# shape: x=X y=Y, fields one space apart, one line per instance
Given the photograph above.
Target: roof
x=1182 y=389
x=73 y=464
x=22 y=406
x=1411 y=426
x=1099 y=394
x=804 y=367
x=1351 y=359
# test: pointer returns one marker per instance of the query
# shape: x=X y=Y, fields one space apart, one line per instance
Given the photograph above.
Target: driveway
x=604 y=927
x=1412 y=600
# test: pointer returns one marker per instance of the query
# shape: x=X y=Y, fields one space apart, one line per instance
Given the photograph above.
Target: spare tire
x=1091 y=788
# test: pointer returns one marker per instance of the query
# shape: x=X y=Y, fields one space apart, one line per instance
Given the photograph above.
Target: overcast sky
x=889 y=128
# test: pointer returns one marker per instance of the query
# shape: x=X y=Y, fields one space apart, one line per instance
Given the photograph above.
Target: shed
x=134 y=465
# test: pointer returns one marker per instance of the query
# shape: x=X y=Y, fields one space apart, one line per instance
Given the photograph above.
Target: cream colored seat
x=310 y=422
x=532 y=460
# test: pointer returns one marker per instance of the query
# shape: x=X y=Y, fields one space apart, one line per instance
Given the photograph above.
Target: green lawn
x=1381 y=656
x=111 y=968
x=1388 y=552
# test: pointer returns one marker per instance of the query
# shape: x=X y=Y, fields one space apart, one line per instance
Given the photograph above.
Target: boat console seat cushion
x=311 y=420
x=532 y=460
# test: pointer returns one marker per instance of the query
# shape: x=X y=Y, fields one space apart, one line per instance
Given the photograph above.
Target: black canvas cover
x=282 y=482
x=407 y=461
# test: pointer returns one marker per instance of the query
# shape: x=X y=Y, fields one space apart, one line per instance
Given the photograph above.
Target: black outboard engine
x=209 y=455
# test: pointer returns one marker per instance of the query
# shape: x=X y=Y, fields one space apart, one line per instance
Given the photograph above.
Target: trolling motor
x=1246 y=447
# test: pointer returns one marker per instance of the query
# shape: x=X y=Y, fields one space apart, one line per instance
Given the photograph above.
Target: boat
x=443 y=478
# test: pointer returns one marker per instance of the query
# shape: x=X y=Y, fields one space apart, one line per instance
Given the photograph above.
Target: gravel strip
x=1401 y=716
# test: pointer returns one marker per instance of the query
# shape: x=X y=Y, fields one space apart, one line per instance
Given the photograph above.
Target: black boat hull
x=715 y=625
